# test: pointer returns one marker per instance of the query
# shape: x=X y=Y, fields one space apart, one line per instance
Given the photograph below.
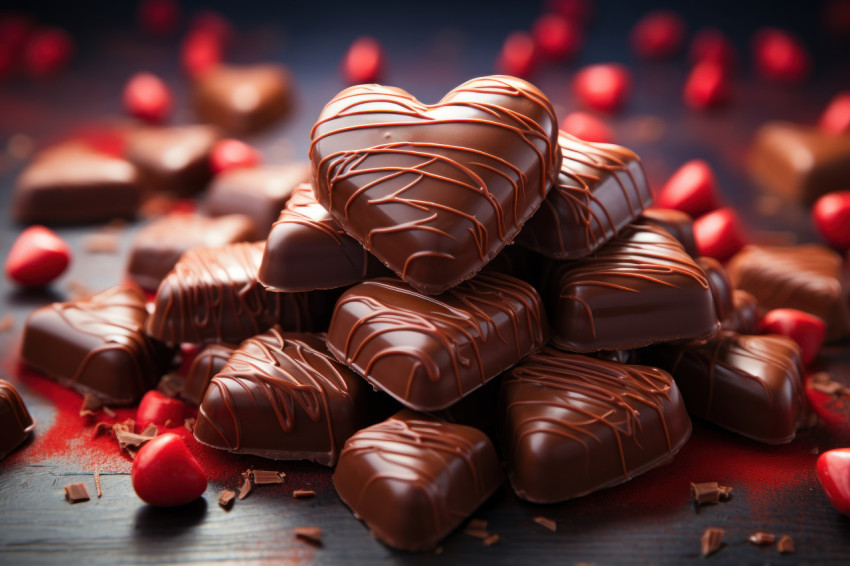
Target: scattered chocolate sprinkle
x=102 y=242
x=762 y=539
x=226 y=497
x=823 y=383
x=725 y=493
x=245 y=489
x=171 y=385
x=712 y=540
x=785 y=545
x=303 y=493
x=128 y=440
x=97 y=482
x=263 y=477
x=480 y=524
x=546 y=522
x=91 y=405
x=76 y=492
x=313 y=535
x=706 y=493
x=477 y=533
x=491 y=540
x=189 y=423
x=101 y=428
x=7 y=322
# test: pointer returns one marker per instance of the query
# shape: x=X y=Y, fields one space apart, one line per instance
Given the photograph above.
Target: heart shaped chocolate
x=436 y=191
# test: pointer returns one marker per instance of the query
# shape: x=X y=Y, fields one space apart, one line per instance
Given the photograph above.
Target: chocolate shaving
x=129 y=441
x=91 y=405
x=762 y=539
x=547 y=522
x=303 y=493
x=313 y=535
x=708 y=493
x=477 y=533
x=491 y=540
x=226 y=497
x=189 y=423
x=76 y=492
x=97 y=482
x=7 y=322
x=101 y=428
x=712 y=540
x=102 y=242
x=171 y=385
x=785 y=545
x=245 y=489
x=263 y=477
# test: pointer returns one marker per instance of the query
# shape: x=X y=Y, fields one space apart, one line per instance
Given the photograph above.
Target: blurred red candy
x=518 y=56
x=47 y=52
x=587 y=127
x=15 y=32
x=212 y=23
x=836 y=118
x=159 y=17
x=835 y=17
x=658 y=35
x=707 y=86
x=807 y=330
x=719 y=234
x=710 y=44
x=780 y=57
x=691 y=189
x=831 y=216
x=364 y=61
x=161 y=410
x=200 y=53
x=556 y=37
x=38 y=256
x=147 y=98
x=604 y=87
x=578 y=11
x=231 y=154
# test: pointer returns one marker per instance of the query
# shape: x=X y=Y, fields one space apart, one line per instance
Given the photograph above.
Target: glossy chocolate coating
x=751 y=385
x=639 y=289
x=600 y=189
x=212 y=295
x=259 y=193
x=428 y=352
x=808 y=277
x=174 y=159
x=745 y=315
x=243 y=99
x=720 y=284
x=74 y=183
x=799 y=162
x=283 y=396
x=413 y=479
x=306 y=249
x=16 y=423
x=204 y=367
x=97 y=345
x=573 y=424
x=435 y=192
x=678 y=223
x=158 y=245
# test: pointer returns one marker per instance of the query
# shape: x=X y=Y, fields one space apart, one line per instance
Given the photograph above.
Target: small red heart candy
x=556 y=37
x=364 y=61
x=231 y=154
x=158 y=17
x=807 y=330
x=587 y=127
x=161 y=410
x=604 y=87
x=518 y=56
x=147 y=98
x=166 y=474
x=834 y=474
x=707 y=86
x=37 y=257
x=831 y=216
x=719 y=234
x=691 y=189
x=780 y=57
x=713 y=45
x=48 y=51
x=200 y=52
x=836 y=118
x=658 y=35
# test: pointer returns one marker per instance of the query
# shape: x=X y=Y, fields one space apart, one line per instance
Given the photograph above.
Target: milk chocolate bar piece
x=97 y=345
x=413 y=479
x=283 y=396
x=720 y=285
x=204 y=367
x=600 y=189
x=745 y=315
x=751 y=385
x=158 y=245
x=639 y=289
x=430 y=351
x=573 y=424
x=678 y=223
x=16 y=423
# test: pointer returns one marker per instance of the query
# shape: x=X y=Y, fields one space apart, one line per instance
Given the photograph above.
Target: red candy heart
x=48 y=51
x=147 y=98
x=831 y=216
x=231 y=154
x=719 y=234
x=201 y=51
x=161 y=410
x=707 y=86
x=807 y=330
x=556 y=37
x=165 y=473
x=834 y=474
x=518 y=56
x=780 y=57
x=658 y=35
x=37 y=257
x=364 y=61
x=836 y=118
x=587 y=127
x=158 y=17
x=712 y=45
x=604 y=87
x=691 y=189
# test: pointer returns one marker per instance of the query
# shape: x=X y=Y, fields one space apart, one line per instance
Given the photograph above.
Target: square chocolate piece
x=413 y=479
x=203 y=368
x=16 y=423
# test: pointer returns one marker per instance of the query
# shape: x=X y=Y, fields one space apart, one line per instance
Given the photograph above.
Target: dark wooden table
x=648 y=520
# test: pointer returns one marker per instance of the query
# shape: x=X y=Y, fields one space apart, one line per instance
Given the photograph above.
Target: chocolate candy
x=413 y=479
x=75 y=183
x=751 y=385
x=435 y=192
x=203 y=368
x=601 y=188
x=639 y=289
x=720 y=285
x=97 y=345
x=573 y=424
x=212 y=295
x=173 y=160
x=158 y=245
x=678 y=223
x=428 y=352
x=806 y=277
x=16 y=423
x=243 y=100
x=259 y=193
x=283 y=396
x=799 y=162
x=744 y=317
x=307 y=236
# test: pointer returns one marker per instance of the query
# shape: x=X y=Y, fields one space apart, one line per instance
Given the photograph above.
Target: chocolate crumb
x=480 y=524
x=7 y=322
x=97 y=482
x=171 y=385
x=100 y=428
x=712 y=540
x=245 y=489
x=91 y=405
x=546 y=522
x=76 y=492
x=708 y=493
x=303 y=493
x=263 y=477
x=762 y=539
x=129 y=441
x=189 y=423
x=477 y=533
x=725 y=493
x=313 y=535
x=785 y=545
x=491 y=540
x=226 y=497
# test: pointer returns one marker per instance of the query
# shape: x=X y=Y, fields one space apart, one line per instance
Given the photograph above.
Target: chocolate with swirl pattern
x=428 y=352
x=639 y=289
x=283 y=396
x=97 y=345
x=601 y=188
x=572 y=424
x=16 y=423
x=435 y=192
x=413 y=479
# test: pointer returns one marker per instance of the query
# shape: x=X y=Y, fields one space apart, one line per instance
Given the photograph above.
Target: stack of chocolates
x=458 y=286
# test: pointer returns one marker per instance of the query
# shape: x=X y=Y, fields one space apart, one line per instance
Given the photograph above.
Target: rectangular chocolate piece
x=678 y=223
x=259 y=193
x=16 y=423
x=212 y=295
x=573 y=424
x=430 y=351
x=283 y=396
x=306 y=250
x=600 y=189
x=799 y=162
x=413 y=479
x=751 y=385
x=204 y=367
x=808 y=277
x=745 y=315
x=97 y=345
x=159 y=244
x=639 y=289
